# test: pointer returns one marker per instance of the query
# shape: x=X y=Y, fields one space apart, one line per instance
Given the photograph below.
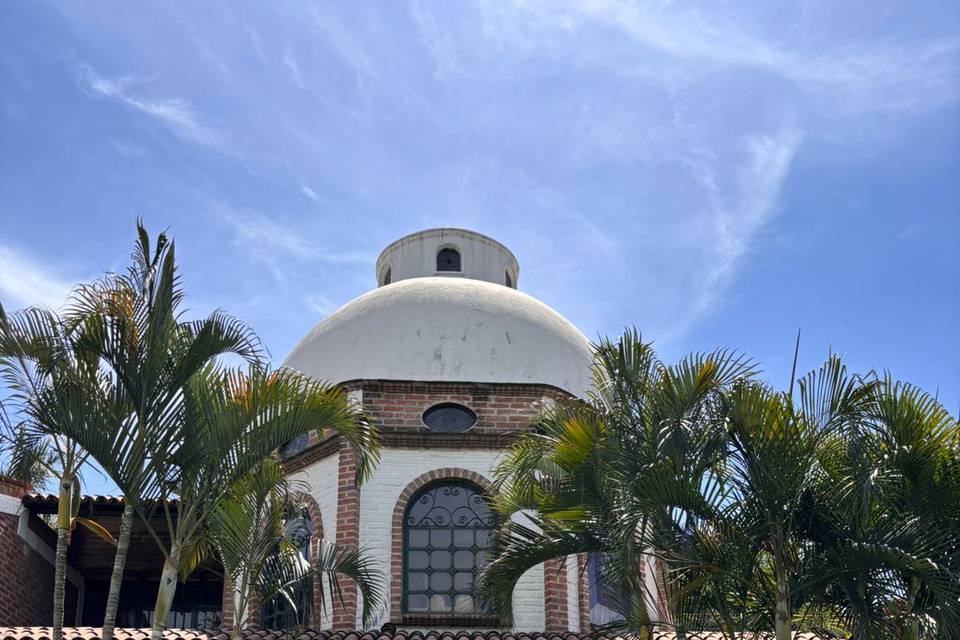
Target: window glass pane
x=419 y=539
x=463 y=559
x=448 y=260
x=463 y=538
x=463 y=582
x=440 y=560
x=416 y=581
x=463 y=604
x=440 y=581
x=417 y=602
x=295 y=446
x=483 y=539
x=449 y=417
x=440 y=538
x=440 y=603
x=417 y=560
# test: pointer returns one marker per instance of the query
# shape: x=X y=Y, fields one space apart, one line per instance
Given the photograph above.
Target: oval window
x=449 y=417
x=295 y=446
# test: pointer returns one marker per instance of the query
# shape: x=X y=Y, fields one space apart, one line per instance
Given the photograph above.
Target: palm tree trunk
x=116 y=578
x=64 y=504
x=911 y=630
x=241 y=596
x=59 y=576
x=782 y=620
x=168 y=587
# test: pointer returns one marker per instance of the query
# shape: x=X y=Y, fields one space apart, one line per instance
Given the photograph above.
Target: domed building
x=451 y=361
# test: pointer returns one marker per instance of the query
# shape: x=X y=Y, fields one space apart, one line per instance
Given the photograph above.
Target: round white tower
x=447 y=252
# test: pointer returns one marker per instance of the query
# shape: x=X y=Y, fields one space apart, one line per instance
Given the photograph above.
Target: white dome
x=446 y=329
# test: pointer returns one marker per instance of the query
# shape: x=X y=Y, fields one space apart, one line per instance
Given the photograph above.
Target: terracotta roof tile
x=93 y=633
x=50 y=500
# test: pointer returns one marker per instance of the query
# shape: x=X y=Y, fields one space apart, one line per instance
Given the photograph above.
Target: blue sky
x=715 y=174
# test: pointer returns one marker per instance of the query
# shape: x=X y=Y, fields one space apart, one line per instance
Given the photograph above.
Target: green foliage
x=27 y=455
x=836 y=511
x=43 y=367
x=124 y=379
x=250 y=531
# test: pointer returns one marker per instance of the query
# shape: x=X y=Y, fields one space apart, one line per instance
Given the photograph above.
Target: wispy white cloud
x=738 y=210
x=26 y=281
x=874 y=75
x=696 y=147
x=174 y=113
x=439 y=41
x=632 y=152
x=310 y=193
x=279 y=246
x=321 y=304
x=290 y=62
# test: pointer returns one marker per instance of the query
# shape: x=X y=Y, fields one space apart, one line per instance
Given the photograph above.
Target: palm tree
x=230 y=421
x=626 y=473
x=40 y=364
x=836 y=511
x=260 y=551
x=130 y=325
x=885 y=516
x=772 y=466
x=27 y=458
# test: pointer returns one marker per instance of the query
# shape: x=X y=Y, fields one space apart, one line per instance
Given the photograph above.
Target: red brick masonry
x=555 y=595
x=26 y=588
x=348 y=535
x=399 y=405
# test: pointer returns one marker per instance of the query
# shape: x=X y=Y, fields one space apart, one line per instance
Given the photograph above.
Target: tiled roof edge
x=254 y=633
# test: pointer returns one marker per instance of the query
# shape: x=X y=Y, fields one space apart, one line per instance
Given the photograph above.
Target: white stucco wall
x=379 y=496
x=320 y=480
x=415 y=256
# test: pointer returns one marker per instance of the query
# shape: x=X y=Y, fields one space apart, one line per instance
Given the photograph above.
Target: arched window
x=387 y=276
x=446 y=533
x=448 y=260
x=507 y=280
x=277 y=613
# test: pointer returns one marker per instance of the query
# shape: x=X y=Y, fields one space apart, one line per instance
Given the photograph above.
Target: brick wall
x=555 y=595
x=348 y=536
x=583 y=584
x=26 y=578
x=399 y=405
